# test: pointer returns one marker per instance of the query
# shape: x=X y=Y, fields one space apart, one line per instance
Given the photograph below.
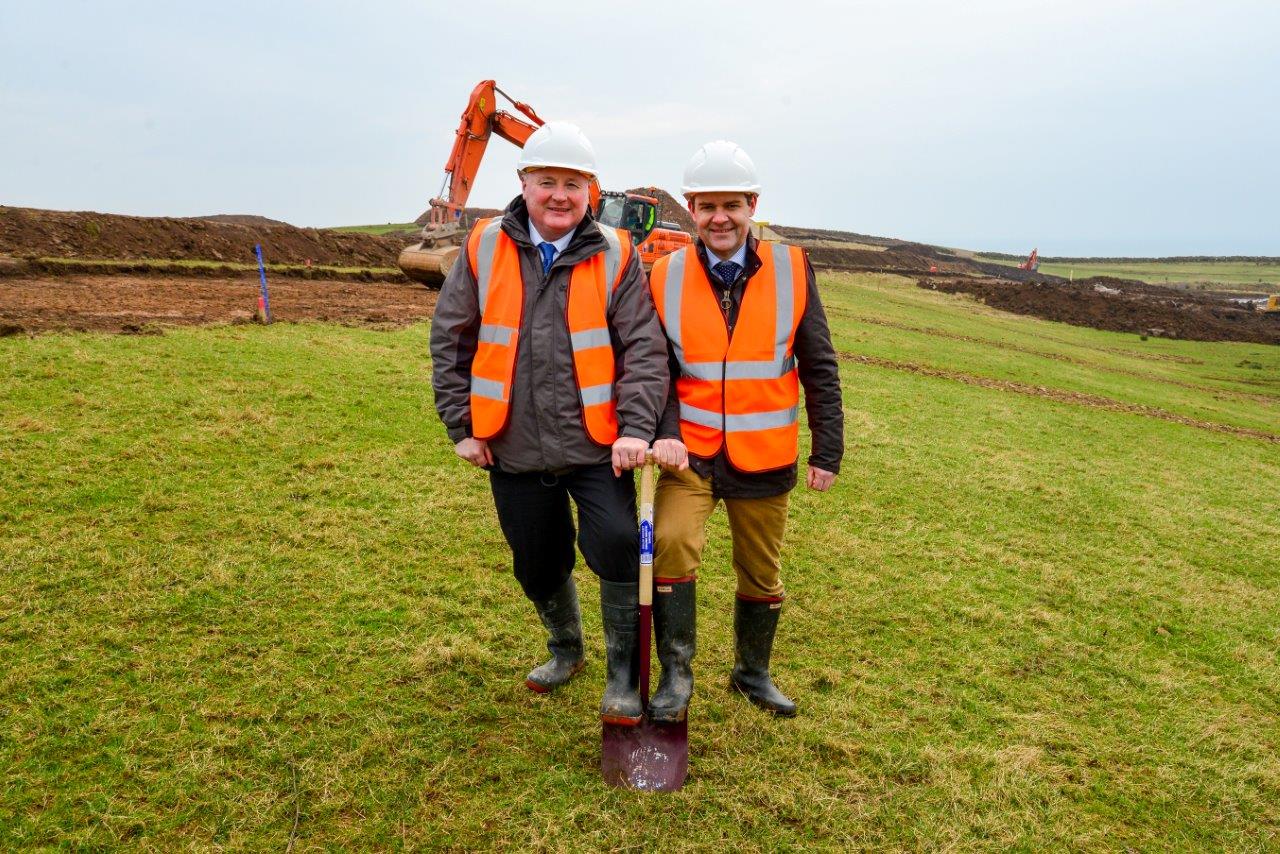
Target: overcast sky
x=1083 y=128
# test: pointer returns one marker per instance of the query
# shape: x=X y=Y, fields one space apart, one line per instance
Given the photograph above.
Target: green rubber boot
x=674 y=623
x=754 y=625
x=620 y=612
x=562 y=618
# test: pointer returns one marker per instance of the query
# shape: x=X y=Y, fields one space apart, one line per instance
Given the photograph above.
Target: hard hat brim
x=752 y=190
x=573 y=167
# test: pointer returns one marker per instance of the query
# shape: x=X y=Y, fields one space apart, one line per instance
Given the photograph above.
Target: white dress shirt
x=560 y=245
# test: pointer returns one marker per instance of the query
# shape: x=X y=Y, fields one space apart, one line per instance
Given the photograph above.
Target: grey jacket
x=545 y=431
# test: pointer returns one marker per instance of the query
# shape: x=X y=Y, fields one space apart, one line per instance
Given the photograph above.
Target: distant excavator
x=430 y=260
x=1032 y=263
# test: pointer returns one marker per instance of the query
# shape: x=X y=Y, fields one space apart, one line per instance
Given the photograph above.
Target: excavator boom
x=429 y=260
x=480 y=120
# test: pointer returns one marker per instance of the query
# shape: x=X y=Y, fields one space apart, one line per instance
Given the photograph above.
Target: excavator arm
x=428 y=261
x=480 y=120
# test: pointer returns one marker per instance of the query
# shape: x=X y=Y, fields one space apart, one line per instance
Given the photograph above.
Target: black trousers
x=533 y=509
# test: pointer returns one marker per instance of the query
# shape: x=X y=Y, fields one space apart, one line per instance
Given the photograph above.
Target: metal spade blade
x=649 y=757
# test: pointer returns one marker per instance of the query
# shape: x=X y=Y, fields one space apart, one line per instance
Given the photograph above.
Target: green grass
x=386 y=228
x=1221 y=275
x=252 y=601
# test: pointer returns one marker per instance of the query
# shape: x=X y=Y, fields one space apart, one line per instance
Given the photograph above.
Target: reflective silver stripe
x=593 y=395
x=484 y=259
x=704 y=417
x=612 y=261
x=771 y=370
x=784 y=294
x=762 y=420
x=492 y=333
x=702 y=370
x=588 y=338
x=492 y=389
x=672 y=299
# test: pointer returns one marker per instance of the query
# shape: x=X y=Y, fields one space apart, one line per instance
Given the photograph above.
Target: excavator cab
x=636 y=214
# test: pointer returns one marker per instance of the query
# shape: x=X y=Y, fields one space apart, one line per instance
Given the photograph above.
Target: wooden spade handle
x=646 y=532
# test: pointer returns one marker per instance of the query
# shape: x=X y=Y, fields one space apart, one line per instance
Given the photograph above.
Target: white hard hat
x=720 y=166
x=560 y=144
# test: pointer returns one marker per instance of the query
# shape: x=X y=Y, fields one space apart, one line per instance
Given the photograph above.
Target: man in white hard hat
x=550 y=371
x=746 y=331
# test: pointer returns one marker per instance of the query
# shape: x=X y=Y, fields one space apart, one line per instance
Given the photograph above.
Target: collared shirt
x=536 y=238
x=739 y=257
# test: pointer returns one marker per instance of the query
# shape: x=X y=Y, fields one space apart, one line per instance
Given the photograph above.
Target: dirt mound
x=846 y=250
x=144 y=304
x=910 y=258
x=28 y=232
x=241 y=219
x=670 y=209
x=1121 y=306
x=800 y=234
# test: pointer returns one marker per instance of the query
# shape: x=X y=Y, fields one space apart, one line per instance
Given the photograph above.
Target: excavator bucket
x=428 y=264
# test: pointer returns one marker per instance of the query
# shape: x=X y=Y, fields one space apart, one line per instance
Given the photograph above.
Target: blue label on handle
x=646 y=542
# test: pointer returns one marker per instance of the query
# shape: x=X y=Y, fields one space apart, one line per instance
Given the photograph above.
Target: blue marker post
x=264 y=301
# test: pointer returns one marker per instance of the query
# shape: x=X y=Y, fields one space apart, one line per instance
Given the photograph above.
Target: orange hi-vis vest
x=495 y=263
x=740 y=392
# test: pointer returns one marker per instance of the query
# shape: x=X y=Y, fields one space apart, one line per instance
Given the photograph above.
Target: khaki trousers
x=683 y=504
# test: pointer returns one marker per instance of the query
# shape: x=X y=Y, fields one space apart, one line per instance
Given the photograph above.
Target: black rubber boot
x=674 y=623
x=563 y=620
x=620 y=612
x=754 y=624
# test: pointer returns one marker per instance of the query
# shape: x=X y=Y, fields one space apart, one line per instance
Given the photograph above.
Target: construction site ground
x=110 y=273
x=146 y=303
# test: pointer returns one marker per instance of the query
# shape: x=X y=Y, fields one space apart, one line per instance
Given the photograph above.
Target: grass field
x=1221 y=275
x=386 y=228
x=251 y=601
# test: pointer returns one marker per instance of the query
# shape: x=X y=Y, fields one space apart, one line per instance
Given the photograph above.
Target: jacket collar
x=587 y=239
x=753 y=258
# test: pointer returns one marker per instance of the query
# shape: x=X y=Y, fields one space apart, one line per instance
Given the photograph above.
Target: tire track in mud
x=1071 y=360
x=1060 y=396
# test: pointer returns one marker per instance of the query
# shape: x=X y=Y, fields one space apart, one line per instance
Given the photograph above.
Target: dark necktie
x=548 y=251
x=727 y=271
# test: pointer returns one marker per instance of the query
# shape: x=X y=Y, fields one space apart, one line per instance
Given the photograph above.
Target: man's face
x=556 y=199
x=723 y=220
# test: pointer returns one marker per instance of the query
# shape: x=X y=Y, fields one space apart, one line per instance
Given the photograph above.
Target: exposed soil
x=27 y=232
x=72 y=238
x=143 y=304
x=241 y=219
x=1121 y=306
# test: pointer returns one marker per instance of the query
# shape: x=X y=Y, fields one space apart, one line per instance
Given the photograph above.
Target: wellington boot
x=620 y=612
x=563 y=619
x=754 y=625
x=674 y=623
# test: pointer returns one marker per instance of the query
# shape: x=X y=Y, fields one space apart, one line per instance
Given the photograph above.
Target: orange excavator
x=429 y=260
x=1032 y=263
